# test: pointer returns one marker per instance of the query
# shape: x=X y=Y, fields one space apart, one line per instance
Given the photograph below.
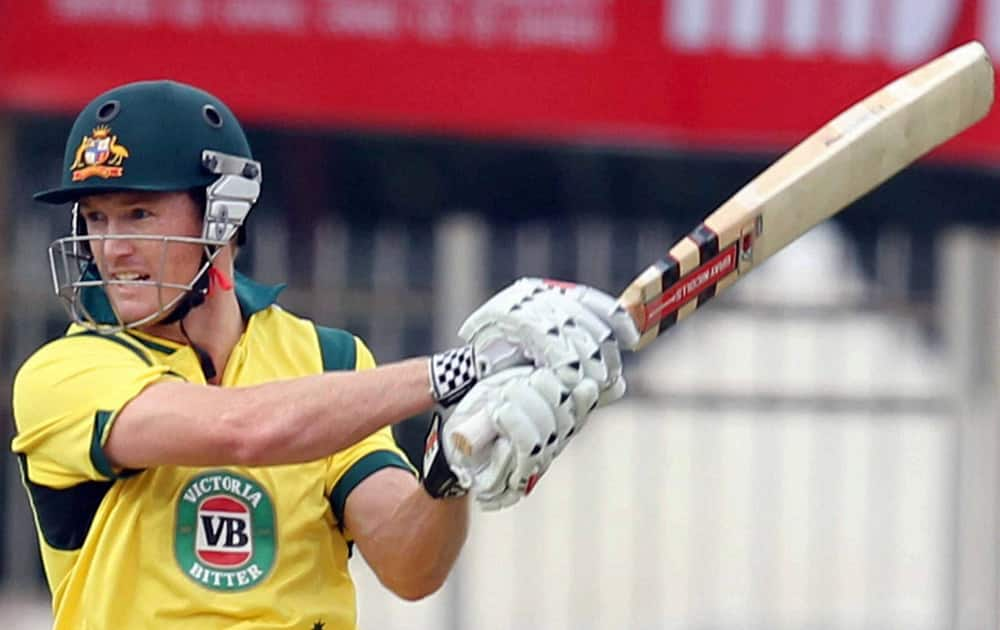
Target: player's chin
x=135 y=304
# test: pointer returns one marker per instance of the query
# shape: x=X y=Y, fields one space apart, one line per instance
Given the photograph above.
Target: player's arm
x=283 y=422
x=307 y=418
x=410 y=540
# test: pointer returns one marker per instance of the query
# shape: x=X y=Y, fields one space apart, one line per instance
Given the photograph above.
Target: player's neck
x=215 y=327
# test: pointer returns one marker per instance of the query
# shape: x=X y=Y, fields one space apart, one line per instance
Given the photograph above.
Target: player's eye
x=93 y=216
x=140 y=213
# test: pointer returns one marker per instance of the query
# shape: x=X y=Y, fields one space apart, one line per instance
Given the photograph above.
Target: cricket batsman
x=197 y=457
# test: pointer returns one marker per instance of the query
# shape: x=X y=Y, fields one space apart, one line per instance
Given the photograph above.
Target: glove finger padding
x=611 y=393
x=590 y=355
x=585 y=398
x=560 y=401
x=528 y=421
x=608 y=310
x=533 y=415
x=527 y=473
x=491 y=478
x=522 y=421
x=503 y=498
x=602 y=360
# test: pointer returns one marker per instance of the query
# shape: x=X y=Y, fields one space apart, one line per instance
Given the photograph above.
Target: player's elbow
x=417 y=594
x=408 y=579
x=414 y=589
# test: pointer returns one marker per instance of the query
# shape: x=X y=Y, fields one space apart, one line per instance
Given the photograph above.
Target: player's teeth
x=128 y=276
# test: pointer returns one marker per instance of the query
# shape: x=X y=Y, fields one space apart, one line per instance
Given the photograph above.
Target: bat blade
x=846 y=158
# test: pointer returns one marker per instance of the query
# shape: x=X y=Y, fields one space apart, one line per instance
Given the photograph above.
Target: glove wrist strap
x=438 y=479
x=453 y=373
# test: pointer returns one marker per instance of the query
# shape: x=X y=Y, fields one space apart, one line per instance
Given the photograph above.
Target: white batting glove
x=453 y=373
x=533 y=414
x=576 y=330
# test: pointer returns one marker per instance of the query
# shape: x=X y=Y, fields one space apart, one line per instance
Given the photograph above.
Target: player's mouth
x=129 y=276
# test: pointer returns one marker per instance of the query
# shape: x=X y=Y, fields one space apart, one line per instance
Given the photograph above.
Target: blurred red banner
x=730 y=74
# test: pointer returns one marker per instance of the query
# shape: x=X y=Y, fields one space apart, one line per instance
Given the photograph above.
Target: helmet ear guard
x=228 y=199
x=79 y=228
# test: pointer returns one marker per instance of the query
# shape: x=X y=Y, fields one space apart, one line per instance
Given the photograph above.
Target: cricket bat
x=846 y=158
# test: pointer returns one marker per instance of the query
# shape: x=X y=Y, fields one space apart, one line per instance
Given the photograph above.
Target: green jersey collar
x=254 y=296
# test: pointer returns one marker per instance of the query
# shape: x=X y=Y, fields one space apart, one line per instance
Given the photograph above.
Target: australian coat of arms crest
x=99 y=155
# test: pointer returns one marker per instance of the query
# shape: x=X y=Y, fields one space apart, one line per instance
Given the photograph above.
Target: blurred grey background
x=816 y=449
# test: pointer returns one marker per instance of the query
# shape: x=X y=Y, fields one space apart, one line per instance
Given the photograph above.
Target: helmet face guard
x=150 y=136
x=82 y=290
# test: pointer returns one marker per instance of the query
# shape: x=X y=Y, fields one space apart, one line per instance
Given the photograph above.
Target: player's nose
x=115 y=246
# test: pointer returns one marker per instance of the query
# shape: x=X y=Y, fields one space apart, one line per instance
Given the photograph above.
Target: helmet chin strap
x=191 y=300
x=204 y=359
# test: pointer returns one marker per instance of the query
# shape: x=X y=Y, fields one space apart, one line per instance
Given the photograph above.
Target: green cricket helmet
x=152 y=136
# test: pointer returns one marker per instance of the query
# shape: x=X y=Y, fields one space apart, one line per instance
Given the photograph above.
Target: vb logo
x=225 y=531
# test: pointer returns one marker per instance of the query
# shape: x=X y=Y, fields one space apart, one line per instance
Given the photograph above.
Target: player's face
x=143 y=214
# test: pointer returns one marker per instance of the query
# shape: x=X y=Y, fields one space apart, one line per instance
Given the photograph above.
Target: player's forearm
x=414 y=551
x=281 y=422
x=308 y=418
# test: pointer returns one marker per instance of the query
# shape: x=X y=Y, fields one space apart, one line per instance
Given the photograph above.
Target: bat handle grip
x=474 y=437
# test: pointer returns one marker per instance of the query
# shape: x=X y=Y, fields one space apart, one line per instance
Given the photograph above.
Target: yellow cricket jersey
x=180 y=547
